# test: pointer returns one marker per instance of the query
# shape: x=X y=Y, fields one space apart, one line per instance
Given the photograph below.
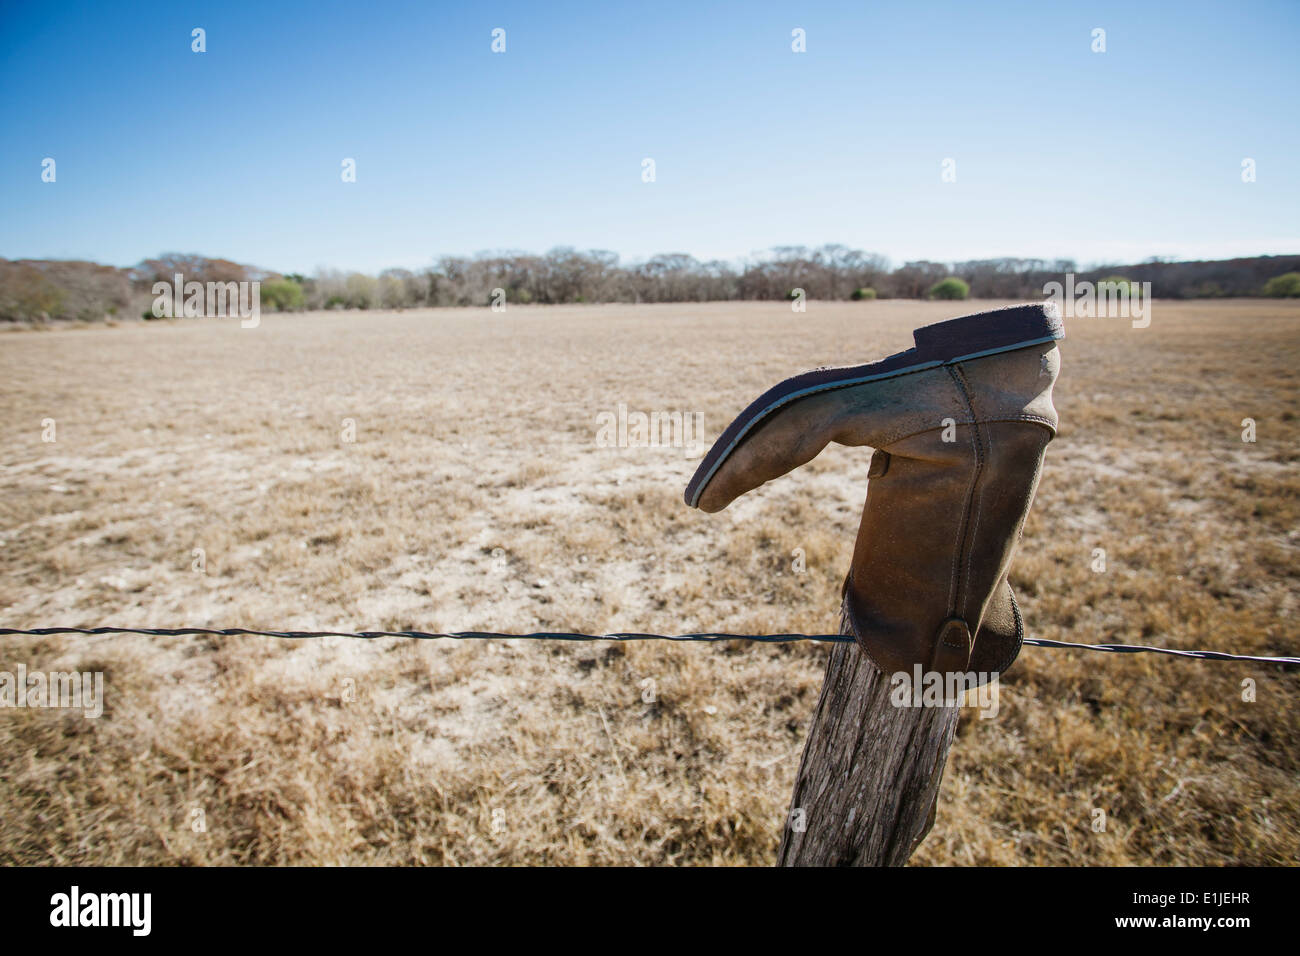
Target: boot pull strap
x=879 y=464
x=952 y=646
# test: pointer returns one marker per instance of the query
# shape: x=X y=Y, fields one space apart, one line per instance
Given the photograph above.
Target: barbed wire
x=708 y=636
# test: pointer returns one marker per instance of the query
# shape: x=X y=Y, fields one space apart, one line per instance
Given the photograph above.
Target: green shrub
x=1285 y=286
x=362 y=291
x=864 y=293
x=282 y=295
x=1120 y=285
x=950 y=288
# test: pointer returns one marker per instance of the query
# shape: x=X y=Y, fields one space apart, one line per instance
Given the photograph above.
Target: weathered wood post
x=869 y=777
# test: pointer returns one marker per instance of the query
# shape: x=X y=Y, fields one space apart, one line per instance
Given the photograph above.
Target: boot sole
x=944 y=343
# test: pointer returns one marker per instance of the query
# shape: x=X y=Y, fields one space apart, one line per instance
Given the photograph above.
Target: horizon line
x=739 y=264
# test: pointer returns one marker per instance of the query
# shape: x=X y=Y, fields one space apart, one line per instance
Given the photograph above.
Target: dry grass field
x=475 y=496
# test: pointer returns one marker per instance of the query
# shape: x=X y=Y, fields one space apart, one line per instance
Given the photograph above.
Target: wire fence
x=707 y=636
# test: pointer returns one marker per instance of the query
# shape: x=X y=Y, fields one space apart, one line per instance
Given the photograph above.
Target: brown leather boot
x=960 y=423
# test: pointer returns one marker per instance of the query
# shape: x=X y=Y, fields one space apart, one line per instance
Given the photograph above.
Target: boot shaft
x=945 y=507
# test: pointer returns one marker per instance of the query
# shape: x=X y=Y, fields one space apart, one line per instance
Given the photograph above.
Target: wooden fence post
x=869 y=777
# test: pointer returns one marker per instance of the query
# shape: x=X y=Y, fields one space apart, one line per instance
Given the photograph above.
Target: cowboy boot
x=959 y=424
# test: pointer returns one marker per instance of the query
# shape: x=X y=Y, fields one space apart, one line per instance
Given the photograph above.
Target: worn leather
x=959 y=451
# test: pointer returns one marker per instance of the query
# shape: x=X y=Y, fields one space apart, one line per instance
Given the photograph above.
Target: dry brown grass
x=475 y=498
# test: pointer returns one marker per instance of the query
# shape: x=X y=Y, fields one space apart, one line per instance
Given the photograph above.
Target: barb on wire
x=617 y=636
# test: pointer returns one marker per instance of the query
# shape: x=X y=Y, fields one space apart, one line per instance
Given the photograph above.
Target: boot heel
x=999 y=330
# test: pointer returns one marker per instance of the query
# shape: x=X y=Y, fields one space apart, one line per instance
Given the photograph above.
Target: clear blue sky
x=236 y=152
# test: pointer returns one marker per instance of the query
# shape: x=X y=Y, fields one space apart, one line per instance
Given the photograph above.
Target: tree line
x=36 y=290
